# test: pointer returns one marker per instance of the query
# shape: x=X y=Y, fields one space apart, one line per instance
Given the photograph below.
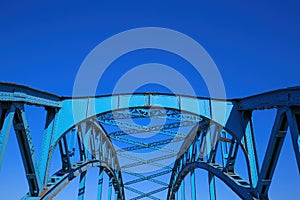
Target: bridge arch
x=95 y=150
x=86 y=107
x=207 y=122
x=65 y=114
x=189 y=160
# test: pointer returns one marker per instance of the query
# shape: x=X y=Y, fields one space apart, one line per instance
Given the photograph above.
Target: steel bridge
x=107 y=132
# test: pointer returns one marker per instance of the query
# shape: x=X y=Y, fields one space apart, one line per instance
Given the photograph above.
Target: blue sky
x=254 y=44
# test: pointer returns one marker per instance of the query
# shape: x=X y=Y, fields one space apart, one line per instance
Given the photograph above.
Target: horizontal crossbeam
x=151 y=113
x=148 y=177
x=150 y=193
x=152 y=144
x=135 y=129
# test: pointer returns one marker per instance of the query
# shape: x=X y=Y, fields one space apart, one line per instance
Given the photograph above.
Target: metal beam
x=100 y=184
x=142 y=144
x=140 y=193
x=27 y=151
x=273 y=99
x=149 y=193
x=10 y=92
x=6 y=119
x=211 y=186
x=182 y=189
x=152 y=112
x=193 y=185
x=249 y=142
x=151 y=161
x=109 y=195
x=240 y=186
x=156 y=144
x=147 y=177
x=272 y=153
x=47 y=147
x=144 y=178
x=81 y=190
x=294 y=124
x=163 y=129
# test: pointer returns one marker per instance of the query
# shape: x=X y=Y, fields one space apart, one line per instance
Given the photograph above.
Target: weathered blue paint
x=77 y=126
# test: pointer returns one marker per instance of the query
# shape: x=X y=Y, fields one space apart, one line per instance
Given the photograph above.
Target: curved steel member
x=232 y=131
x=201 y=153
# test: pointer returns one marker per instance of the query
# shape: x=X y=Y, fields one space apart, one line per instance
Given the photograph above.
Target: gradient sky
x=254 y=44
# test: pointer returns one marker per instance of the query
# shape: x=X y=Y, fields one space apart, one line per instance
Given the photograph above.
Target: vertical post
x=64 y=152
x=191 y=156
x=183 y=189
x=6 y=119
x=232 y=154
x=116 y=195
x=71 y=143
x=212 y=186
x=224 y=148
x=80 y=139
x=109 y=188
x=202 y=142
x=215 y=142
x=193 y=185
x=81 y=190
x=100 y=183
x=211 y=178
x=92 y=140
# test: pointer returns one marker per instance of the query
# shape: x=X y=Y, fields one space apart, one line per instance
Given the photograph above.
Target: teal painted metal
x=81 y=190
x=211 y=186
x=47 y=147
x=193 y=185
x=90 y=127
x=10 y=93
x=210 y=139
x=109 y=189
x=100 y=184
x=143 y=178
x=27 y=150
x=182 y=190
x=272 y=154
x=224 y=148
x=293 y=116
x=251 y=151
x=7 y=114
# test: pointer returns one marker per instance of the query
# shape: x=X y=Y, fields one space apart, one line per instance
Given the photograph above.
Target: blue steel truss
x=100 y=130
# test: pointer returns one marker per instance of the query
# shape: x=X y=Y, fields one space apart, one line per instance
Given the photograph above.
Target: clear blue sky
x=256 y=46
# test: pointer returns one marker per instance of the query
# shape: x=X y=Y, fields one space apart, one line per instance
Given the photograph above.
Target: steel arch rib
x=216 y=170
x=237 y=184
x=76 y=110
x=64 y=113
x=62 y=178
